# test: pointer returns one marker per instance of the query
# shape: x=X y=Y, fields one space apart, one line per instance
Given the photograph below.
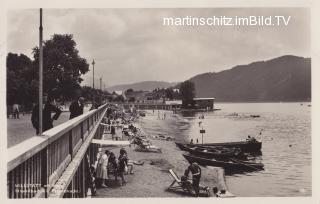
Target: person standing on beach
x=123 y=165
x=76 y=108
x=102 y=169
x=47 y=120
x=113 y=131
x=195 y=169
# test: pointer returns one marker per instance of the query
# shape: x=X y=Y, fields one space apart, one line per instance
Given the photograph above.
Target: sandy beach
x=152 y=178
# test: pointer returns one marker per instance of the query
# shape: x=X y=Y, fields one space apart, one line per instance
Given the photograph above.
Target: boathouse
x=204 y=103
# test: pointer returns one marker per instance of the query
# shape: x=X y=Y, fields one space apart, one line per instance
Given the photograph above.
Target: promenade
x=21 y=129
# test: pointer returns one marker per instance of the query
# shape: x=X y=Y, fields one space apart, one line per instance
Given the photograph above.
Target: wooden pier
x=149 y=106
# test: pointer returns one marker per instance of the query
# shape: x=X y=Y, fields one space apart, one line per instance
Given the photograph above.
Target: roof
x=199 y=99
x=175 y=102
x=118 y=92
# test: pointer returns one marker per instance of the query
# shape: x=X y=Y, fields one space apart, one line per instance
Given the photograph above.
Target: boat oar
x=234 y=160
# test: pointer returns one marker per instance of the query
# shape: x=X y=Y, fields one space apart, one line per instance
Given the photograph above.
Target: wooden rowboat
x=228 y=165
x=214 y=152
x=245 y=146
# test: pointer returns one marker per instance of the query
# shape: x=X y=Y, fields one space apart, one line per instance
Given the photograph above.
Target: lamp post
x=93 y=97
x=93 y=63
x=40 y=73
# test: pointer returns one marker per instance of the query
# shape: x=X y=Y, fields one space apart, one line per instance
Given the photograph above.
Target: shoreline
x=153 y=178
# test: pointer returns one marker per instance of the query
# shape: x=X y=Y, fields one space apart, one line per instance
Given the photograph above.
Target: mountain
x=144 y=86
x=287 y=78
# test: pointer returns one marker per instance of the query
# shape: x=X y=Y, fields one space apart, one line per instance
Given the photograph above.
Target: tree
x=169 y=93
x=187 y=91
x=62 y=65
x=21 y=86
x=132 y=99
x=129 y=90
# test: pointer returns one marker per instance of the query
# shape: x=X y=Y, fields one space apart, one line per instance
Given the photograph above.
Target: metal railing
x=36 y=166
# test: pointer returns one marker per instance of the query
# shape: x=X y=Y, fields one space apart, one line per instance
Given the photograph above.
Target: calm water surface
x=286 y=143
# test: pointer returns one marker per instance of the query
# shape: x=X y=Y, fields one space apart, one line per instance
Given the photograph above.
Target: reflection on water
x=286 y=143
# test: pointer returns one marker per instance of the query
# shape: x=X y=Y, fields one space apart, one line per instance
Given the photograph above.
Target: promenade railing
x=55 y=164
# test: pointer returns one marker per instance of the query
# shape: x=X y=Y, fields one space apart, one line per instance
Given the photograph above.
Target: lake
x=286 y=143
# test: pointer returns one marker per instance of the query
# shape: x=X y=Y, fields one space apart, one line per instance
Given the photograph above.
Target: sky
x=132 y=45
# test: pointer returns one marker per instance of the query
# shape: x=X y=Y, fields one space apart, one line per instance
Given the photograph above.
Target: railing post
x=70 y=144
x=81 y=131
x=44 y=171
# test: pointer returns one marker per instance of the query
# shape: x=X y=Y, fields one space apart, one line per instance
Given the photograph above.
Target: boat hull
x=213 y=152
x=243 y=146
x=227 y=165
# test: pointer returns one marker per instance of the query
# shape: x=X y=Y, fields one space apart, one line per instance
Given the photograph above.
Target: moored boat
x=228 y=165
x=214 y=152
x=244 y=146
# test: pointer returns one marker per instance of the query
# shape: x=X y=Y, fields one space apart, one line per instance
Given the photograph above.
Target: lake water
x=286 y=143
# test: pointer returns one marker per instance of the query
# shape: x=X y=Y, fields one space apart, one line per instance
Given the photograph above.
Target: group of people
x=164 y=115
x=191 y=141
x=107 y=164
x=49 y=107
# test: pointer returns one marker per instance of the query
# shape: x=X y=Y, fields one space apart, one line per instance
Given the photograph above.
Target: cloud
x=131 y=45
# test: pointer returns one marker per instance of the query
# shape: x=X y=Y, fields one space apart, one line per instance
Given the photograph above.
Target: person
x=76 y=108
x=123 y=165
x=191 y=141
x=129 y=163
x=15 y=108
x=197 y=141
x=47 y=120
x=113 y=131
x=102 y=169
x=195 y=170
x=112 y=165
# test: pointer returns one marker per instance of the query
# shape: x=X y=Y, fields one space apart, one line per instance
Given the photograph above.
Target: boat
x=228 y=164
x=163 y=137
x=245 y=146
x=214 y=152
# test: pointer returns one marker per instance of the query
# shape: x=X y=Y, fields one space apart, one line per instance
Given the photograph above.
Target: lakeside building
x=198 y=103
x=204 y=103
x=175 y=104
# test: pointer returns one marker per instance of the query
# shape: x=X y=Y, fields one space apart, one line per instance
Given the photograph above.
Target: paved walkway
x=21 y=129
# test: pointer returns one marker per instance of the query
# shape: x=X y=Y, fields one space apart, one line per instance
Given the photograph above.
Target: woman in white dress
x=102 y=171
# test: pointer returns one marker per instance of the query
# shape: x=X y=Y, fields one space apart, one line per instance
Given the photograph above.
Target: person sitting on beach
x=195 y=169
x=186 y=183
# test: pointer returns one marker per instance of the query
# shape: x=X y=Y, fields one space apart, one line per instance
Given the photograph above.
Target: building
x=175 y=104
x=204 y=103
x=136 y=96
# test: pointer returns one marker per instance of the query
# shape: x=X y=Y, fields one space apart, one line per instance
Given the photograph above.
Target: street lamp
x=93 y=63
